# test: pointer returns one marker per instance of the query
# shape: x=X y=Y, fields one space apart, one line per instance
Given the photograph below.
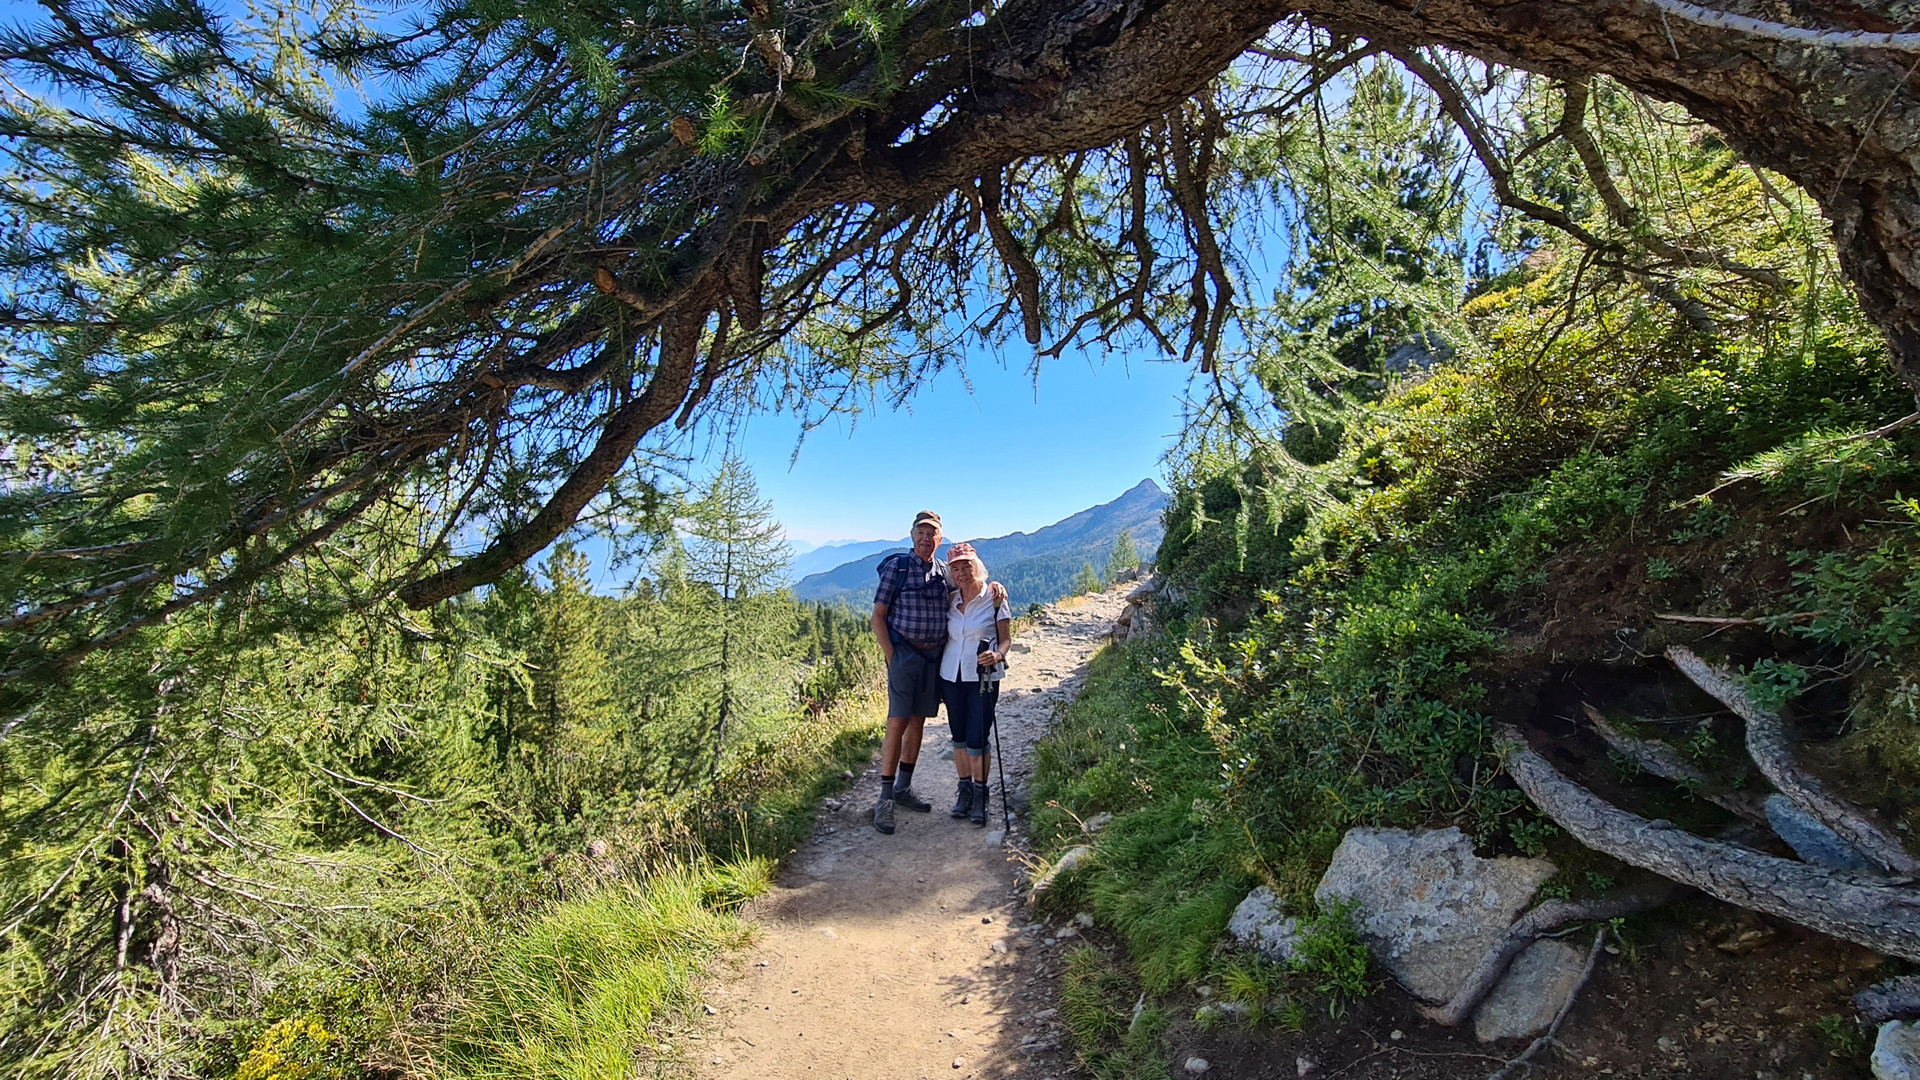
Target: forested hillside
x=392 y=827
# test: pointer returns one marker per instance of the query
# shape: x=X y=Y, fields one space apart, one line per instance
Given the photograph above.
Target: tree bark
x=1659 y=759
x=1881 y=914
x=1767 y=745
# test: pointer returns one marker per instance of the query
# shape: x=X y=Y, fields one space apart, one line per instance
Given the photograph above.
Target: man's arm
x=880 y=632
x=998 y=591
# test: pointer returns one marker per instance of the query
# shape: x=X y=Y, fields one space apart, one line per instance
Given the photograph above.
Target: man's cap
x=926 y=516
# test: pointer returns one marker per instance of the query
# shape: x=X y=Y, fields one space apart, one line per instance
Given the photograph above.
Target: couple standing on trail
x=944 y=631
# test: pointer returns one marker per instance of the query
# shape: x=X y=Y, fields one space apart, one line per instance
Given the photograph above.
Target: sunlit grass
x=573 y=994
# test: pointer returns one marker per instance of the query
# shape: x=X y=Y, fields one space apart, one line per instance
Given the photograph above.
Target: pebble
x=1397 y=1035
x=1304 y=1066
x=986 y=918
x=1197 y=1065
x=1084 y=920
x=959 y=1063
x=999 y=946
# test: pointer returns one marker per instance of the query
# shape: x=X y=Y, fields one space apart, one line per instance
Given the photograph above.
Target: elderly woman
x=978 y=632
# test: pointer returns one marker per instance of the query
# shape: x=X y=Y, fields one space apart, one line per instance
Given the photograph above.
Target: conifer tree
x=1124 y=557
x=736 y=561
x=1087 y=580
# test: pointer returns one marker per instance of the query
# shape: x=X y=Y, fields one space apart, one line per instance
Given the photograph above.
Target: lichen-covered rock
x=1527 y=998
x=1261 y=923
x=1425 y=904
x=1896 y=1052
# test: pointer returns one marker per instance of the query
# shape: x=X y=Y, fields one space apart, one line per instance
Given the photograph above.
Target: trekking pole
x=1006 y=808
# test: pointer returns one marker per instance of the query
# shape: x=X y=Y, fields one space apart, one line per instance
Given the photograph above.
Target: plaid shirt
x=916 y=601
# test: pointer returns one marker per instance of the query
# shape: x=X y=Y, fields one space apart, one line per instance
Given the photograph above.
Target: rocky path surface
x=910 y=956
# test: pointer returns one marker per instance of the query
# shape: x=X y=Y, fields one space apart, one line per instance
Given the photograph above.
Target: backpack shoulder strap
x=899 y=563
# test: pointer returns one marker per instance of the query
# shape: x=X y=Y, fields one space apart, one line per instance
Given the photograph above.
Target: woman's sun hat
x=963 y=552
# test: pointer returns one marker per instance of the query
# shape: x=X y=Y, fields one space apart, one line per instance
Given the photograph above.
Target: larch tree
x=735 y=564
x=245 y=317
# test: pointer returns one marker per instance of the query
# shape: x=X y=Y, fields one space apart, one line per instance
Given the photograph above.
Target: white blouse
x=967 y=626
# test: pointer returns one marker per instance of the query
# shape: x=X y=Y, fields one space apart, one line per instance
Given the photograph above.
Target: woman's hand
x=988 y=659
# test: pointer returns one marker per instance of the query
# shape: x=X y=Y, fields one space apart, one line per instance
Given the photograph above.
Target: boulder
x=1895 y=999
x=1812 y=840
x=1896 y=1052
x=1425 y=904
x=1527 y=998
x=1261 y=923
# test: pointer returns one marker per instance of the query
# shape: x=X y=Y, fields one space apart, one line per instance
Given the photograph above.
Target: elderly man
x=910 y=621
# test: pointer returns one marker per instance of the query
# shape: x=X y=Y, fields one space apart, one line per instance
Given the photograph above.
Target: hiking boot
x=905 y=797
x=963 y=802
x=979 y=815
x=883 y=815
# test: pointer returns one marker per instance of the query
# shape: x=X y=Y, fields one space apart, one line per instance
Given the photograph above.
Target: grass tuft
x=573 y=994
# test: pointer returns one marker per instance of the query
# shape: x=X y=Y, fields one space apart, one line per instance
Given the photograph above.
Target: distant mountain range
x=835 y=553
x=1036 y=567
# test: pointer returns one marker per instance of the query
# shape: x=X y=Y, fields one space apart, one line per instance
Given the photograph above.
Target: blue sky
x=1010 y=453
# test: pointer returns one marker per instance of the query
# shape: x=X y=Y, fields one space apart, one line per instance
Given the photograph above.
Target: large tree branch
x=1625 y=214
x=1660 y=759
x=666 y=390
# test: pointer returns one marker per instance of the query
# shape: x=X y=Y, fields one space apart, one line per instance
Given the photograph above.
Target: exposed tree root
x=1767 y=745
x=1534 y=925
x=1660 y=759
x=1882 y=914
x=1735 y=620
x=1546 y=1040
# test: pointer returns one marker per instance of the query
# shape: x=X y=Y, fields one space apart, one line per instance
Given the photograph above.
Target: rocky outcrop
x=1135 y=619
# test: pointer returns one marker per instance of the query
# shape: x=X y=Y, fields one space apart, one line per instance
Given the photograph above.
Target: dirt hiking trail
x=910 y=956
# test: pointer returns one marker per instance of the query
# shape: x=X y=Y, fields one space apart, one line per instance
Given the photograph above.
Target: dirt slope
x=909 y=955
